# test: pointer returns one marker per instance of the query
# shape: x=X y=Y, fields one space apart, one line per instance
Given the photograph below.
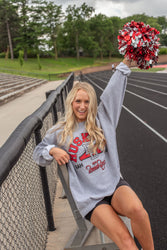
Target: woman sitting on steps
x=86 y=141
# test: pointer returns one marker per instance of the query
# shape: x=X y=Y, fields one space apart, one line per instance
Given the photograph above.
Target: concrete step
x=12 y=86
x=4 y=92
x=13 y=95
x=6 y=84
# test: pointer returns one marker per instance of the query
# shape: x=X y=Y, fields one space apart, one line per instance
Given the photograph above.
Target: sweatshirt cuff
x=124 y=69
x=45 y=152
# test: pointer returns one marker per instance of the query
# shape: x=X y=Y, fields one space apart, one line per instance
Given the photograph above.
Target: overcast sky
x=121 y=8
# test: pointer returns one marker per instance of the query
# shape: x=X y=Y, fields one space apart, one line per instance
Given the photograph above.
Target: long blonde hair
x=96 y=136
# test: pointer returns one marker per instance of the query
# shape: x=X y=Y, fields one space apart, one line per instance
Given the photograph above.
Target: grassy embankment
x=52 y=66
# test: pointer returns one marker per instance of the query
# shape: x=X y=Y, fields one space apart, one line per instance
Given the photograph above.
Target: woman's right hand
x=59 y=155
x=129 y=63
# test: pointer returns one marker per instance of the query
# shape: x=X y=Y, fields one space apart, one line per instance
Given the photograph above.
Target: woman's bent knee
x=138 y=212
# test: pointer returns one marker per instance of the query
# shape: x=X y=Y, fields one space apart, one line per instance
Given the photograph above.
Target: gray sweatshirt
x=92 y=176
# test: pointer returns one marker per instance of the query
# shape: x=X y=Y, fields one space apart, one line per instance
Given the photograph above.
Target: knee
x=138 y=212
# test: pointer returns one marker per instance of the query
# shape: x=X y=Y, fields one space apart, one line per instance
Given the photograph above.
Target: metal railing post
x=54 y=110
x=62 y=101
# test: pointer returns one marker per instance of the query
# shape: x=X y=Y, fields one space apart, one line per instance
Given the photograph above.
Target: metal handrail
x=14 y=146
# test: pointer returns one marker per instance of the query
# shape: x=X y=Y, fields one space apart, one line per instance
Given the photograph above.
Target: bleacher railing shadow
x=27 y=191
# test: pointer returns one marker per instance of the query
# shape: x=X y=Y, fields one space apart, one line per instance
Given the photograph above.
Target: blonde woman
x=86 y=141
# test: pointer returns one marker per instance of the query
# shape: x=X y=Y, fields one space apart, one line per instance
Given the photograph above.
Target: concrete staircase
x=12 y=86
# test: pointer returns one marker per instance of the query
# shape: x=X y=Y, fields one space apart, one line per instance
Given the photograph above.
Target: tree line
x=40 y=27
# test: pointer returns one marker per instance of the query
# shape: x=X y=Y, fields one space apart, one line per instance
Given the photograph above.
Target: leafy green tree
x=31 y=26
x=117 y=25
x=137 y=18
x=9 y=22
x=52 y=24
x=102 y=29
x=162 y=20
x=75 y=23
x=36 y=27
x=163 y=39
x=89 y=45
x=22 y=39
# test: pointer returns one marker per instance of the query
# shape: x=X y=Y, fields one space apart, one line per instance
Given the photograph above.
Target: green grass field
x=152 y=70
x=49 y=65
x=52 y=66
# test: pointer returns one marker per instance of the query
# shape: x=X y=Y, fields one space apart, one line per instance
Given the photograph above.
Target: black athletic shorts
x=107 y=199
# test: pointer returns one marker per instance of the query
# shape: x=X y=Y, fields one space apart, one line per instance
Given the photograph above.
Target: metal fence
x=27 y=191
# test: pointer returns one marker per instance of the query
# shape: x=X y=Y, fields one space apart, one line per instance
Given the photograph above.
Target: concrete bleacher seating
x=12 y=86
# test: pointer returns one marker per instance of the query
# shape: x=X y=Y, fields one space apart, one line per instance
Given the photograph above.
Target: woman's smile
x=80 y=105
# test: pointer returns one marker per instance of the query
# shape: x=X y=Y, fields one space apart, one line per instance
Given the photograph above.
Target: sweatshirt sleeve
x=41 y=153
x=113 y=95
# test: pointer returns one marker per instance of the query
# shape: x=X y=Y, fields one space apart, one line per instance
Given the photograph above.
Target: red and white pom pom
x=139 y=42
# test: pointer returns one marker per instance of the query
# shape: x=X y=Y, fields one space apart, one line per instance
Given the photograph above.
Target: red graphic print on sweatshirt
x=74 y=148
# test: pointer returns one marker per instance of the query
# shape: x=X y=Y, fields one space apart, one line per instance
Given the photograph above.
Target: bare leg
x=125 y=202
x=107 y=220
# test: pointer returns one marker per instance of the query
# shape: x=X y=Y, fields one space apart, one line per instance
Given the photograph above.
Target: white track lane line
x=94 y=83
x=138 y=118
x=131 y=93
x=148 y=126
x=161 y=85
x=131 y=78
x=153 y=90
x=148 y=100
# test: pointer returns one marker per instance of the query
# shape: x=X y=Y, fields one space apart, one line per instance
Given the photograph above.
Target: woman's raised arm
x=113 y=95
